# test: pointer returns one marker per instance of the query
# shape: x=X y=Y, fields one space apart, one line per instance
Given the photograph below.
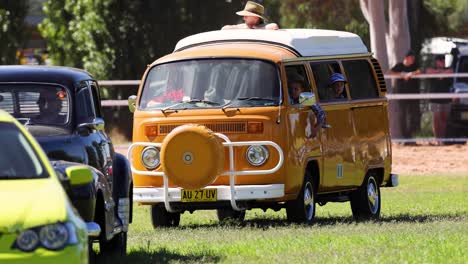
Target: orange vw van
x=215 y=126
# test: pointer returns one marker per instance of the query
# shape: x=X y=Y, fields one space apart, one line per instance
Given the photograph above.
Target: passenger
x=253 y=18
x=337 y=83
x=296 y=87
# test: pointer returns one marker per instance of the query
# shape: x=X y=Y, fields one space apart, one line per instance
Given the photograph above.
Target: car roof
x=303 y=42
x=46 y=74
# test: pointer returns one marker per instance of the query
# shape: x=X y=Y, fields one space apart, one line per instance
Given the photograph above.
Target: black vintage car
x=61 y=107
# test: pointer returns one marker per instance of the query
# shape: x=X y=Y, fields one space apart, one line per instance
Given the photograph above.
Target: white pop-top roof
x=307 y=42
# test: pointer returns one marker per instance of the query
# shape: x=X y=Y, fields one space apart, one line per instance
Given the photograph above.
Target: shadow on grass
x=265 y=223
x=143 y=255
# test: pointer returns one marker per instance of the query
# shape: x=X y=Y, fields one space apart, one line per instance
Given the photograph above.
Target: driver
x=50 y=106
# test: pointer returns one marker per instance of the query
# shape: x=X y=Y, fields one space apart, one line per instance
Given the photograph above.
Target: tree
x=77 y=35
x=13 y=29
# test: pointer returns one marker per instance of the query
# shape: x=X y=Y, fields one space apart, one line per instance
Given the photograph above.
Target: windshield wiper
x=192 y=101
x=255 y=98
x=202 y=101
x=228 y=104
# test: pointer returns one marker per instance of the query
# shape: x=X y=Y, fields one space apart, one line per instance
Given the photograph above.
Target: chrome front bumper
x=94 y=230
x=242 y=192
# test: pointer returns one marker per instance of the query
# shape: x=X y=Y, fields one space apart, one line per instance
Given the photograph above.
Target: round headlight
x=150 y=157
x=54 y=236
x=28 y=240
x=257 y=155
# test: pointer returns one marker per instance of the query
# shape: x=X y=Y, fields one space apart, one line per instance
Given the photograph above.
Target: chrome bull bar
x=231 y=172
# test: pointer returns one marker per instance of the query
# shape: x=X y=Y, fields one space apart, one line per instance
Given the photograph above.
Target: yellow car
x=37 y=221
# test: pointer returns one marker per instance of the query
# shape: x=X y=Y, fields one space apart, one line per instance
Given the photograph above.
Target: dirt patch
x=418 y=160
x=430 y=159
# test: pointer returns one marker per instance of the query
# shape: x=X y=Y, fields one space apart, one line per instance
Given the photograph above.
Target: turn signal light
x=255 y=127
x=151 y=131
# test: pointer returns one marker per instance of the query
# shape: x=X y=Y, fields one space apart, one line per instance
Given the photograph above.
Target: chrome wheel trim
x=373 y=195
x=309 y=203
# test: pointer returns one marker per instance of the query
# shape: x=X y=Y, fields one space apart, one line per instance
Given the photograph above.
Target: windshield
x=36 y=104
x=211 y=83
x=463 y=68
x=18 y=158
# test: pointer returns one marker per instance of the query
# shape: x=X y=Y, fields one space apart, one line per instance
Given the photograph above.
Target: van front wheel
x=365 y=202
x=302 y=209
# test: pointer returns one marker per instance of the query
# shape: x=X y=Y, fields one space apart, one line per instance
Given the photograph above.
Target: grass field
x=424 y=220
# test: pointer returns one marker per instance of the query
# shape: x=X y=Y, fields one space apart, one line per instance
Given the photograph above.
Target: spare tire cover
x=192 y=156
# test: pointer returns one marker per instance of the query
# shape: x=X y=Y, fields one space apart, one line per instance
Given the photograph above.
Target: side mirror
x=97 y=124
x=132 y=103
x=79 y=175
x=307 y=99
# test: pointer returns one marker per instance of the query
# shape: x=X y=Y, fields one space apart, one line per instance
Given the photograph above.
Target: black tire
x=117 y=246
x=302 y=209
x=160 y=217
x=366 y=202
x=228 y=214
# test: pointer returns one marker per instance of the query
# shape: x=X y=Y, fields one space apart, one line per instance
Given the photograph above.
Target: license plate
x=202 y=195
x=464 y=116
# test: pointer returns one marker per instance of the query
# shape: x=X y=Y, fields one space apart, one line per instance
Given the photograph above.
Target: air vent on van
x=231 y=127
x=380 y=76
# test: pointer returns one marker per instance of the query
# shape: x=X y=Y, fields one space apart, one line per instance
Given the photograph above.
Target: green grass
x=424 y=220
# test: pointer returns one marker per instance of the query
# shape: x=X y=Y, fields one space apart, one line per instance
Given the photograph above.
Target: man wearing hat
x=253 y=15
x=337 y=83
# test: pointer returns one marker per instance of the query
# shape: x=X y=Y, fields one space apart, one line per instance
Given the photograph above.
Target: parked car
x=215 y=126
x=61 y=108
x=38 y=224
x=457 y=124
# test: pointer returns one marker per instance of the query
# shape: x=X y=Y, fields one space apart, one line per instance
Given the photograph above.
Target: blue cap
x=336 y=77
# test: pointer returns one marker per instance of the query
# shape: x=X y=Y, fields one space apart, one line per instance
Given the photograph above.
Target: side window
x=362 y=84
x=96 y=98
x=322 y=72
x=7 y=101
x=84 y=108
x=297 y=82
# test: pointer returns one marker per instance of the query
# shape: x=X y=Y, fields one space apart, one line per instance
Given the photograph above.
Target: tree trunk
x=399 y=37
x=374 y=12
x=398 y=45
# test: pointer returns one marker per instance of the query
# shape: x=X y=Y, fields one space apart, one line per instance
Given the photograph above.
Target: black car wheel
x=365 y=202
x=160 y=217
x=302 y=209
x=226 y=214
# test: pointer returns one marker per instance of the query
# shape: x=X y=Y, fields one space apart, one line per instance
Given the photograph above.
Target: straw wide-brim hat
x=252 y=9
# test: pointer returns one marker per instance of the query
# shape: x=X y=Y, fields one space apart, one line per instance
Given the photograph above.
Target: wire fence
x=423 y=114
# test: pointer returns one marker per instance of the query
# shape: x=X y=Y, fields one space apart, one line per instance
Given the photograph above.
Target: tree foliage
x=116 y=39
x=13 y=29
x=77 y=35
x=325 y=14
